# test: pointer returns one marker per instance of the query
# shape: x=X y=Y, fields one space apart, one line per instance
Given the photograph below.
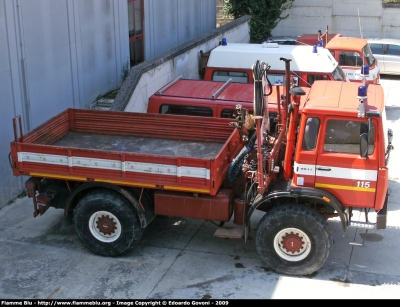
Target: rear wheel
x=294 y=240
x=106 y=223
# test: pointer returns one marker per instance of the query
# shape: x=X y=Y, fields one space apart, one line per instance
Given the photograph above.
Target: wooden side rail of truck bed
x=136 y=149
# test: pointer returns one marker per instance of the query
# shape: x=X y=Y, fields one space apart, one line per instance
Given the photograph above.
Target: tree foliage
x=265 y=15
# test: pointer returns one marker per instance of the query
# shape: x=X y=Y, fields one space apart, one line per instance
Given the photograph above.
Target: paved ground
x=42 y=258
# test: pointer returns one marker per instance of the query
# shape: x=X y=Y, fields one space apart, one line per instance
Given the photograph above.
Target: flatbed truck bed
x=168 y=152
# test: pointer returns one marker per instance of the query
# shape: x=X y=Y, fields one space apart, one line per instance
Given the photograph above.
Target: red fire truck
x=115 y=171
x=352 y=53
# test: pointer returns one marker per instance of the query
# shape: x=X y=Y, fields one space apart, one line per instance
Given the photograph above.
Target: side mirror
x=364 y=145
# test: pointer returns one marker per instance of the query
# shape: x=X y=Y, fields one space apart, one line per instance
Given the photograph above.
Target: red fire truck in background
x=351 y=53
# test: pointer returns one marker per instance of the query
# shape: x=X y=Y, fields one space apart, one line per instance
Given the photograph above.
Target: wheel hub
x=292 y=243
x=106 y=225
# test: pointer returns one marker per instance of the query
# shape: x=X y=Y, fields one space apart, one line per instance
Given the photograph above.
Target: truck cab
x=235 y=60
x=333 y=123
x=350 y=52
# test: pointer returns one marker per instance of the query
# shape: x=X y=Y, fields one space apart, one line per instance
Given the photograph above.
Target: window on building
x=135 y=19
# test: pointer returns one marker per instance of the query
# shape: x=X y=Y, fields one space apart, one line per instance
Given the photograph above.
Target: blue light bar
x=365 y=70
x=314 y=49
x=362 y=92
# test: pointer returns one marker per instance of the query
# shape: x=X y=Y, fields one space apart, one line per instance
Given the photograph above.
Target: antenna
x=359 y=22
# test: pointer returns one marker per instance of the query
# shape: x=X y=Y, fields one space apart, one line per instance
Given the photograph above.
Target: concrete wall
x=148 y=77
x=171 y=23
x=357 y=18
x=55 y=55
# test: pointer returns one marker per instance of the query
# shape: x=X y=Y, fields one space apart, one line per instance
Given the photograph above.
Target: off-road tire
x=106 y=223
x=293 y=239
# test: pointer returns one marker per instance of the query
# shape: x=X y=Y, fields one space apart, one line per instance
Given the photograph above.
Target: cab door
x=339 y=167
x=306 y=152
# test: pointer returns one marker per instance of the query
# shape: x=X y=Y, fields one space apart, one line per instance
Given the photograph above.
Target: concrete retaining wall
x=148 y=77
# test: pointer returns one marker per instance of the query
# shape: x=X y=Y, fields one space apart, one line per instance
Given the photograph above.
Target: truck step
x=362 y=225
x=229 y=232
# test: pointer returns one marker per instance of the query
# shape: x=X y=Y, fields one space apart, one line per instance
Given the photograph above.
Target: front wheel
x=293 y=239
x=106 y=223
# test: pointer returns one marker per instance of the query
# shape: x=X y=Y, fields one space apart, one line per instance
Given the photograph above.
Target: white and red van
x=308 y=63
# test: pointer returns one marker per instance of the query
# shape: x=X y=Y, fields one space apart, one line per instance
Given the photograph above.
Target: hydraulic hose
x=236 y=165
x=259 y=71
x=235 y=168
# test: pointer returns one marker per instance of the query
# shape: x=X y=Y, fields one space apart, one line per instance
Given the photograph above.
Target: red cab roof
x=340 y=98
x=206 y=92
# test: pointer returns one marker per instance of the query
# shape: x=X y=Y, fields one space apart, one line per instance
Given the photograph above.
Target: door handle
x=323 y=169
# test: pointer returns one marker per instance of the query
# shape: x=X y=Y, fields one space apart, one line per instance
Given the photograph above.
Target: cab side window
x=311 y=133
x=350 y=58
x=344 y=136
x=185 y=110
x=312 y=78
x=227 y=113
x=236 y=76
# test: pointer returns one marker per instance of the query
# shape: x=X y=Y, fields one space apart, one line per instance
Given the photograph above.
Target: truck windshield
x=350 y=58
x=368 y=55
x=338 y=74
